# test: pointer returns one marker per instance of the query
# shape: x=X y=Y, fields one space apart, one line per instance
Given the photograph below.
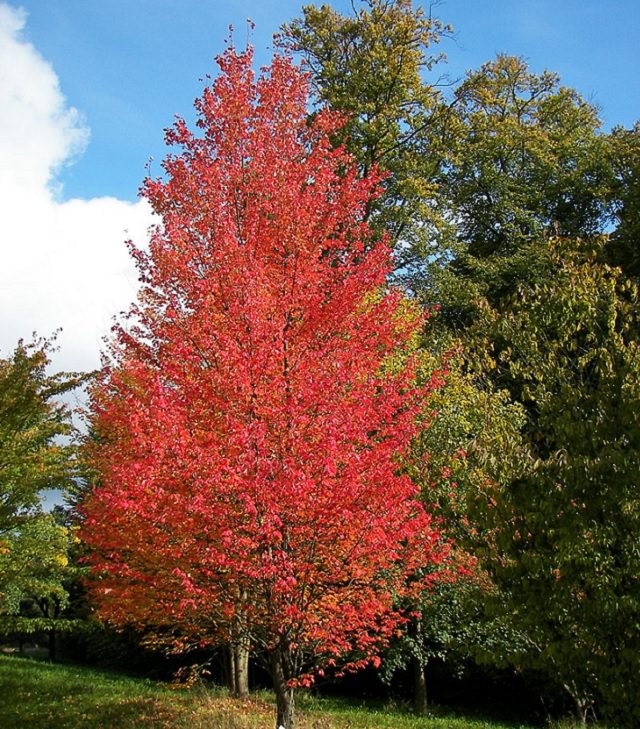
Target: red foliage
x=251 y=418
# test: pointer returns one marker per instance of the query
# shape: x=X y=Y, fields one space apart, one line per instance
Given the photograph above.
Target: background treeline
x=514 y=218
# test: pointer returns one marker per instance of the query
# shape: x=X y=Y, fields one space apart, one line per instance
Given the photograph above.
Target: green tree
x=33 y=424
x=36 y=455
x=561 y=542
x=37 y=569
x=527 y=160
x=623 y=249
x=523 y=156
x=370 y=65
x=470 y=448
x=508 y=161
x=527 y=155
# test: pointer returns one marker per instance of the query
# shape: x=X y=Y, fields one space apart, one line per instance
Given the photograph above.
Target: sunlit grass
x=39 y=695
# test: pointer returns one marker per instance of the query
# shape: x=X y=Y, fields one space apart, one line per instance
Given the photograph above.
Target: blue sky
x=87 y=87
x=130 y=65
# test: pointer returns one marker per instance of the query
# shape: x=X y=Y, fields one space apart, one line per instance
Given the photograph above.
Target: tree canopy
x=251 y=419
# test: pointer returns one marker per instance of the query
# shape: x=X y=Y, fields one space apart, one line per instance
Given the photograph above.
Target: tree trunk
x=582 y=710
x=241 y=665
x=52 y=644
x=420 y=703
x=285 y=717
x=239 y=654
x=581 y=704
x=239 y=668
x=50 y=608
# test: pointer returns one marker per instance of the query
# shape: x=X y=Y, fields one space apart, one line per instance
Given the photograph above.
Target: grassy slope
x=38 y=695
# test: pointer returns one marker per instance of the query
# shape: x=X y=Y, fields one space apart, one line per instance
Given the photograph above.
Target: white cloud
x=62 y=264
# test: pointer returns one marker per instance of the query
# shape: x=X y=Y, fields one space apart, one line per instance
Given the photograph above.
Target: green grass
x=39 y=695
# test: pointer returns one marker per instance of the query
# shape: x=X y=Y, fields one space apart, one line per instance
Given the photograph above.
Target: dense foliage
x=249 y=425
x=34 y=458
x=524 y=208
x=286 y=450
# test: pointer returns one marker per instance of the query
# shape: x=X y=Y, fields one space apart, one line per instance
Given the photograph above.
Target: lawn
x=39 y=695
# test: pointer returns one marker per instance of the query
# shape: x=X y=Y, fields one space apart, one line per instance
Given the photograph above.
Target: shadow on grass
x=40 y=695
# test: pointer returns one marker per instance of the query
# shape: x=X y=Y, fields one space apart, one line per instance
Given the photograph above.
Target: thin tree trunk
x=581 y=705
x=52 y=644
x=50 y=609
x=582 y=709
x=420 y=703
x=239 y=655
x=231 y=668
x=285 y=717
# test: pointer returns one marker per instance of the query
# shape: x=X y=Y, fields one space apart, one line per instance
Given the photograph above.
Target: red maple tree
x=249 y=422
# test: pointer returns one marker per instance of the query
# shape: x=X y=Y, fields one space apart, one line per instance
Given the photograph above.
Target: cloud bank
x=63 y=264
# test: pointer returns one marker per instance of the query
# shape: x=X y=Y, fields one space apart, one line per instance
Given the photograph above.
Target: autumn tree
x=251 y=415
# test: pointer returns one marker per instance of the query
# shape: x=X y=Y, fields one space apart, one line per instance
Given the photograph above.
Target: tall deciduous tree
x=537 y=164
x=250 y=420
x=523 y=156
x=511 y=161
x=528 y=155
x=370 y=65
